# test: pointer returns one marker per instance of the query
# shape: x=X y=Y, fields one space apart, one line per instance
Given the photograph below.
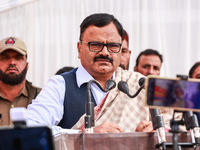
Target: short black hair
x=193 y=68
x=149 y=52
x=64 y=69
x=100 y=20
x=125 y=36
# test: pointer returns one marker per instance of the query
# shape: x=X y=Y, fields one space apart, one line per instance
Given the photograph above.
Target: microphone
x=141 y=81
x=18 y=116
x=154 y=115
x=123 y=86
x=158 y=124
x=110 y=84
x=89 y=118
x=191 y=123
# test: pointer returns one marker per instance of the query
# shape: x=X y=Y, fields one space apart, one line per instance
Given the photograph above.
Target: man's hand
x=144 y=126
x=108 y=128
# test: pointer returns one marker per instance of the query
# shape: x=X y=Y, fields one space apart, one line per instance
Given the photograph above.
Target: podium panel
x=115 y=141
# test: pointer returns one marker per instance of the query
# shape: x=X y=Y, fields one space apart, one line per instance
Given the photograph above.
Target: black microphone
x=89 y=118
x=154 y=115
x=190 y=120
x=191 y=123
x=141 y=81
x=158 y=124
x=110 y=84
x=123 y=86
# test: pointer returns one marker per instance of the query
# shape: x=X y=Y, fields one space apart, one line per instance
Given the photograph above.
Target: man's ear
x=27 y=65
x=135 y=68
x=79 y=48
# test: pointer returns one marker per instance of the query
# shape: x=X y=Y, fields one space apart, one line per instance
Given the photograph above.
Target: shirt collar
x=24 y=91
x=81 y=72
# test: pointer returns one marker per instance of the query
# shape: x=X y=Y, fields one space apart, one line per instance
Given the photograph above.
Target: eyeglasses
x=97 y=46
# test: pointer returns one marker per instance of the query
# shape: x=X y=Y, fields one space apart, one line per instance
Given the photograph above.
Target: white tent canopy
x=50 y=29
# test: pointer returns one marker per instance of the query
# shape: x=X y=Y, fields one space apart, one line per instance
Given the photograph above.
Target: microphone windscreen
x=123 y=86
x=154 y=117
x=110 y=84
x=154 y=113
x=141 y=81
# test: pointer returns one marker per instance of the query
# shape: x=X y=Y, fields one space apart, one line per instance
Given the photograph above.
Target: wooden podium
x=115 y=141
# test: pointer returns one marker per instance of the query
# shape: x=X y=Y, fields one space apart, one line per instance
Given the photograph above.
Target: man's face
x=103 y=62
x=13 y=67
x=149 y=65
x=196 y=73
x=125 y=57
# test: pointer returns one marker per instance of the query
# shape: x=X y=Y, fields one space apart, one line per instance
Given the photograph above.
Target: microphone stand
x=89 y=118
x=191 y=123
x=158 y=125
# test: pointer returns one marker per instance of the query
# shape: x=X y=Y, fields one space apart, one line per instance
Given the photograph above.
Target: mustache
x=103 y=57
x=11 y=67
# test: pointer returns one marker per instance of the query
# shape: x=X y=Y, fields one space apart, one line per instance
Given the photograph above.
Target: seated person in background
x=15 y=90
x=62 y=101
x=126 y=53
x=149 y=62
x=64 y=69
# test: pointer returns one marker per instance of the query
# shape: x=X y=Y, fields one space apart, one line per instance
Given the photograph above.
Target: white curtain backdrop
x=50 y=29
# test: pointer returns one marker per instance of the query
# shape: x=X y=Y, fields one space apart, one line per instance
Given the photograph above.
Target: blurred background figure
x=195 y=71
x=126 y=53
x=149 y=62
x=64 y=69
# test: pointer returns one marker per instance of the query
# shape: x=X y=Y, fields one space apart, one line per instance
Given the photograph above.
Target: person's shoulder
x=32 y=90
x=132 y=78
x=29 y=84
x=132 y=74
x=71 y=72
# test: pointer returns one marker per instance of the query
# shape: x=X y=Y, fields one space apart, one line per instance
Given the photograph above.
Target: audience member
x=195 y=71
x=126 y=53
x=149 y=62
x=62 y=100
x=15 y=90
x=64 y=69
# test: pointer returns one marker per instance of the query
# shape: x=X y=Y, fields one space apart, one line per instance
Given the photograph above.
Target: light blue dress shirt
x=47 y=108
